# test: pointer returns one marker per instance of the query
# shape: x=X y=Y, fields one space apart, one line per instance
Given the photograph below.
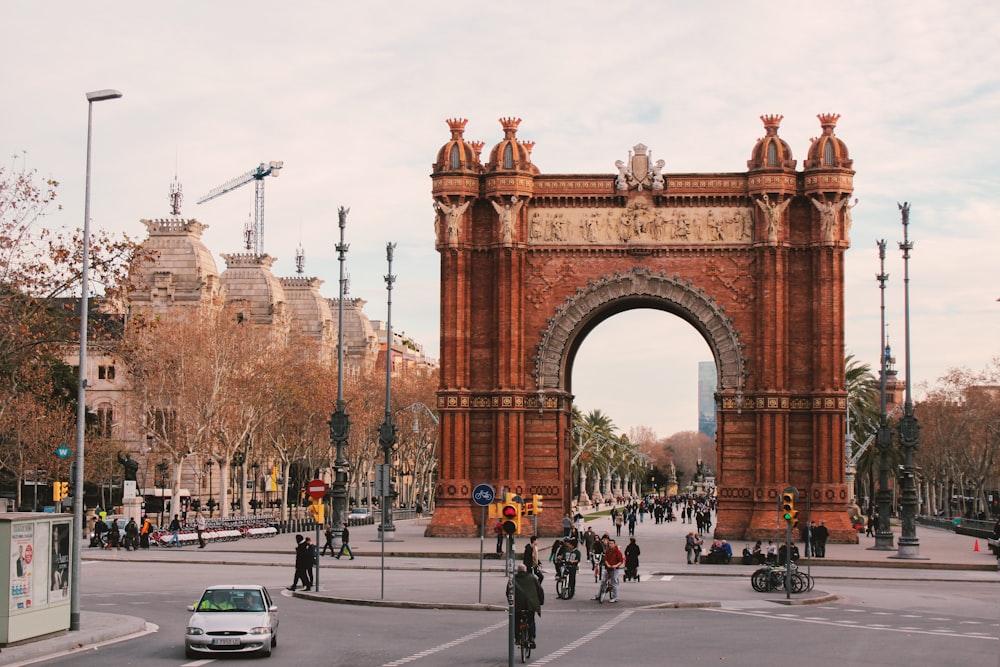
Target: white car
x=359 y=514
x=232 y=619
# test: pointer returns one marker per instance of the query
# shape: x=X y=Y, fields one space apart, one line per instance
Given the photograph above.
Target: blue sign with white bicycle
x=483 y=494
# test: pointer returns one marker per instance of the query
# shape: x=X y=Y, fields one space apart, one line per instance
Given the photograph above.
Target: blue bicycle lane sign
x=483 y=494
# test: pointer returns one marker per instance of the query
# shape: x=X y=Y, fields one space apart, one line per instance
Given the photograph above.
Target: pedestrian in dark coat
x=301 y=556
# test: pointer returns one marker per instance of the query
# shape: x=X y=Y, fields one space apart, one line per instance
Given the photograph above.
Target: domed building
x=178 y=269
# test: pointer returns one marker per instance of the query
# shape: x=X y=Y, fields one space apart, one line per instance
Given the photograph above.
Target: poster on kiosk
x=37 y=571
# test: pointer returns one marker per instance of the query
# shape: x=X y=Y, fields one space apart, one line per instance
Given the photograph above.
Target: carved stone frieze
x=640 y=223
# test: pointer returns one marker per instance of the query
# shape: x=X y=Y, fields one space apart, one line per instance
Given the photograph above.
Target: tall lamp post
x=340 y=421
x=81 y=399
x=387 y=431
x=883 y=437
x=256 y=476
x=909 y=429
x=211 y=500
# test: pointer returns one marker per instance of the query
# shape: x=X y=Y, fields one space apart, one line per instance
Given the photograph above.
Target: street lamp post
x=81 y=399
x=340 y=421
x=239 y=458
x=211 y=500
x=161 y=481
x=883 y=437
x=387 y=431
x=256 y=476
x=909 y=429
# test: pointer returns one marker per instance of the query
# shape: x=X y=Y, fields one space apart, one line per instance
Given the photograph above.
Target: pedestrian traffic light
x=60 y=490
x=527 y=509
x=788 y=511
x=317 y=511
x=536 y=503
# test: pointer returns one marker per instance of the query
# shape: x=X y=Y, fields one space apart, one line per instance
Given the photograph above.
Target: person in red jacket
x=614 y=559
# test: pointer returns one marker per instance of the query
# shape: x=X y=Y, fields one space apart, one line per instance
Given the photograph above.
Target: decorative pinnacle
x=528 y=145
x=478 y=147
x=772 y=122
x=828 y=121
x=457 y=126
x=509 y=126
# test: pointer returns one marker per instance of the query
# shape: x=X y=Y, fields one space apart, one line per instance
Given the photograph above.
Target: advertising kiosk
x=36 y=570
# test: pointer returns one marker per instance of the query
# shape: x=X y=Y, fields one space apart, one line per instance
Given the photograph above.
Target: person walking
x=200 y=525
x=310 y=562
x=301 y=575
x=175 y=532
x=530 y=558
x=567 y=525
x=131 y=535
x=692 y=545
x=345 y=543
x=632 y=552
x=328 y=535
x=529 y=598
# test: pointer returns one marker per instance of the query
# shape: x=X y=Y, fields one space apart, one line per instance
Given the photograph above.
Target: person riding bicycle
x=570 y=563
x=614 y=559
x=528 y=598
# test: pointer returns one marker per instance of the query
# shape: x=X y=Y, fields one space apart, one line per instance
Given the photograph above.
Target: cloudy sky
x=353 y=98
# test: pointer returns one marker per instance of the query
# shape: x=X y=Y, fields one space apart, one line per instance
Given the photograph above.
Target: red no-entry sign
x=316 y=489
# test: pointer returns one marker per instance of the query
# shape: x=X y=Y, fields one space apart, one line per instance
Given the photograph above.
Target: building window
x=105 y=421
x=508 y=157
x=829 y=155
x=772 y=155
x=106 y=372
x=456 y=162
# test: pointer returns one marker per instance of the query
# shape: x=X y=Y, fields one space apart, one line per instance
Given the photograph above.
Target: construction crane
x=257 y=175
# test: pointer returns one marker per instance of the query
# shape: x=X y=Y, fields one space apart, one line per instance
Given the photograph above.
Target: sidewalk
x=944 y=555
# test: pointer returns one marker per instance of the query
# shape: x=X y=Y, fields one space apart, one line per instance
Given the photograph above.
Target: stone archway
x=640 y=286
x=754 y=260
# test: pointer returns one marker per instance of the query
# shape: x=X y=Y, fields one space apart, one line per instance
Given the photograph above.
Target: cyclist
x=528 y=598
x=613 y=561
x=571 y=562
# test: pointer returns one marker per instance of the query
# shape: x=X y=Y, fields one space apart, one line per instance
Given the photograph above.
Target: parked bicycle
x=772 y=577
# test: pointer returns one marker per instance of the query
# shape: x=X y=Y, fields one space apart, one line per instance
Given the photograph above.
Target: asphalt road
x=907 y=623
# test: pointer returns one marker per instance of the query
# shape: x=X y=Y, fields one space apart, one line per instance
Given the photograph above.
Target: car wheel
x=266 y=651
x=274 y=640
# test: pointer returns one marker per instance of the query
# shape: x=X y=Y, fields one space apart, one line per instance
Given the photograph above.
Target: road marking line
x=451 y=644
x=800 y=619
x=593 y=634
x=667 y=577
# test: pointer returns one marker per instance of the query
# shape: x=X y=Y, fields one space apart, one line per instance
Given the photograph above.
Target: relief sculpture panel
x=640 y=223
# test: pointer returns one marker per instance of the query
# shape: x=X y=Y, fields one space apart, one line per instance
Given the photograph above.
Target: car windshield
x=231 y=600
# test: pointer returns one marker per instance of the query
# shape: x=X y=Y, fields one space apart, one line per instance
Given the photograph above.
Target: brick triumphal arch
x=532 y=262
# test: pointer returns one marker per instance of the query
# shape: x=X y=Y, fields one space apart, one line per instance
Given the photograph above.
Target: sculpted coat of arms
x=640 y=171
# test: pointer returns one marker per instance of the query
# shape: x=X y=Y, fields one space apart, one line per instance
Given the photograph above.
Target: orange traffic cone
x=976 y=548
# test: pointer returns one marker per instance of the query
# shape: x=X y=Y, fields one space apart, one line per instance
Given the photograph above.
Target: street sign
x=316 y=489
x=62 y=451
x=483 y=495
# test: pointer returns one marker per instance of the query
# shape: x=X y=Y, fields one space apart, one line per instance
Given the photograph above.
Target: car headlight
x=260 y=630
x=194 y=631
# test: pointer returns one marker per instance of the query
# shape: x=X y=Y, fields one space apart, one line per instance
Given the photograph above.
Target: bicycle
x=565 y=587
x=521 y=636
x=605 y=590
x=772 y=577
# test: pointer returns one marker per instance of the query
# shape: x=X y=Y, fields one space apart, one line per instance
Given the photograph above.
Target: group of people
x=132 y=536
x=306 y=554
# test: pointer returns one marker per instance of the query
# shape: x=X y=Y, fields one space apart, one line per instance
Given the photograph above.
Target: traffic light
x=60 y=490
x=496 y=509
x=536 y=503
x=511 y=513
x=317 y=511
x=788 y=511
x=527 y=509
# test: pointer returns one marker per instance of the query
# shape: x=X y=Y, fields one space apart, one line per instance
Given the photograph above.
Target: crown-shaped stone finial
x=509 y=126
x=478 y=147
x=828 y=121
x=528 y=145
x=457 y=126
x=771 y=123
